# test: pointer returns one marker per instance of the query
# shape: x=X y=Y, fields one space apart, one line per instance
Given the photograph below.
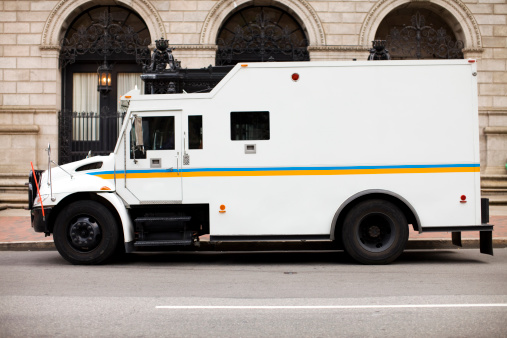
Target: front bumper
x=39 y=222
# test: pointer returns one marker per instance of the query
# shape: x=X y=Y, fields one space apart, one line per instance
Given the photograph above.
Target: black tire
x=375 y=232
x=86 y=232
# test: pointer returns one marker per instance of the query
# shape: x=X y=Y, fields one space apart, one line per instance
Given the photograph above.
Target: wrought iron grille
x=105 y=35
x=421 y=41
x=80 y=132
x=164 y=75
x=261 y=34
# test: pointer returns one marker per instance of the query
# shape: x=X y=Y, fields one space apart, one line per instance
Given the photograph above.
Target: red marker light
x=463 y=199
x=295 y=77
x=471 y=61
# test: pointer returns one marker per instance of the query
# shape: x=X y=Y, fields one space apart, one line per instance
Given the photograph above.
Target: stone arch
x=455 y=12
x=66 y=10
x=301 y=9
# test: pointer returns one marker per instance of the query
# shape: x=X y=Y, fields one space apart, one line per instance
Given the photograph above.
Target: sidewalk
x=16 y=233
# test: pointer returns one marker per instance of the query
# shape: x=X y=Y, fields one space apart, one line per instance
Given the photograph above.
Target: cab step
x=183 y=242
x=166 y=222
x=163 y=231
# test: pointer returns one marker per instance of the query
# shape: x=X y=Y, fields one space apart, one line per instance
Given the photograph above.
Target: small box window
x=195 y=132
x=251 y=125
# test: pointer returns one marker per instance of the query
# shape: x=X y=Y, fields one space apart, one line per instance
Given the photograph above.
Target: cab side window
x=158 y=134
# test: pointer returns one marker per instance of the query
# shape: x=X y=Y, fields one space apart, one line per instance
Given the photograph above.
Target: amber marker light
x=222 y=209
x=244 y=65
x=105 y=188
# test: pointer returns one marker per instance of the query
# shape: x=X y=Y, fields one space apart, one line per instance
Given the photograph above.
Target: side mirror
x=138 y=126
x=136 y=139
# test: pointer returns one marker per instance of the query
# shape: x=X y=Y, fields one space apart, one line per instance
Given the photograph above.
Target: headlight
x=43 y=198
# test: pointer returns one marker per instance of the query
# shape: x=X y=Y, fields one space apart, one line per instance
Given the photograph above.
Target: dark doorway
x=89 y=119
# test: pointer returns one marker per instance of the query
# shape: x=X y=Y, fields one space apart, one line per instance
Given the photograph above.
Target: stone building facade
x=31 y=75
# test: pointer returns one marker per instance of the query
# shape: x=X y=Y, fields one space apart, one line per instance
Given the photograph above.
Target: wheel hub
x=374 y=231
x=85 y=233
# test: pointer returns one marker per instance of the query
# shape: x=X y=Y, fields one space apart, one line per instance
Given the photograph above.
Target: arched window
x=261 y=33
x=419 y=33
x=112 y=35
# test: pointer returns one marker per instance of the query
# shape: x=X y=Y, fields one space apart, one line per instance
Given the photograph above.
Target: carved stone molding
x=473 y=50
x=15 y=110
x=456 y=8
x=301 y=8
x=19 y=129
x=65 y=9
x=212 y=48
x=339 y=48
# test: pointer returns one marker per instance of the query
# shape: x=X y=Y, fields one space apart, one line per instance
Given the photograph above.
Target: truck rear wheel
x=375 y=232
x=86 y=232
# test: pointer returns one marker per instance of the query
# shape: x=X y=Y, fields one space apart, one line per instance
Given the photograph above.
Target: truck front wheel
x=375 y=232
x=86 y=232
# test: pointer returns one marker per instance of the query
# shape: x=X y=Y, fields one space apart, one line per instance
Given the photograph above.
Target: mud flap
x=486 y=237
x=486 y=242
x=456 y=238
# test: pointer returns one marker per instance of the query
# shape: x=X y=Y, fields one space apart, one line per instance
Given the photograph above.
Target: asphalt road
x=447 y=293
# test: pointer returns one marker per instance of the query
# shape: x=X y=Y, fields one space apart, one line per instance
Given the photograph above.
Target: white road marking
x=317 y=307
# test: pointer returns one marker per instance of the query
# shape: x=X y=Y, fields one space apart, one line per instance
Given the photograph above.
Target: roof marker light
x=244 y=65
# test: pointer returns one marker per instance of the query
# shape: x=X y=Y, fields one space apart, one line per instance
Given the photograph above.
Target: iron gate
x=81 y=132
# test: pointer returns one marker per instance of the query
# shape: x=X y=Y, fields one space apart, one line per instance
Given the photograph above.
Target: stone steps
x=14 y=201
x=494 y=187
x=14 y=190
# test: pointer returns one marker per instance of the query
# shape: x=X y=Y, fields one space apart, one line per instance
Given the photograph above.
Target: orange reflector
x=105 y=188
x=222 y=209
x=128 y=97
x=244 y=65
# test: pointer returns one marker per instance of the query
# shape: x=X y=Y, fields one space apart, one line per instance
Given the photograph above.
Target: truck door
x=153 y=159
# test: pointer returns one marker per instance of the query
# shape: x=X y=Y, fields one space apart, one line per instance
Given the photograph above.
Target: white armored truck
x=349 y=152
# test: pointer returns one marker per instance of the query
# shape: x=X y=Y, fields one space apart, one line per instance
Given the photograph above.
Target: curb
x=27 y=246
x=414 y=244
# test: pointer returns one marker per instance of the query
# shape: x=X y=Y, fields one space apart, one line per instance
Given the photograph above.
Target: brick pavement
x=18 y=229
